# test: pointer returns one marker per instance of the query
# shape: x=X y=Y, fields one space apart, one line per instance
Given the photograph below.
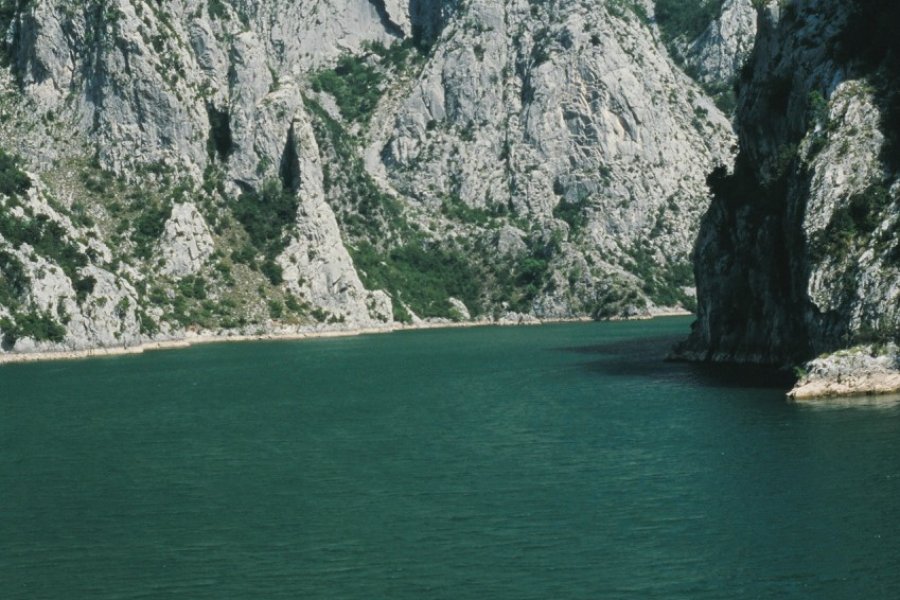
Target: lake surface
x=552 y=462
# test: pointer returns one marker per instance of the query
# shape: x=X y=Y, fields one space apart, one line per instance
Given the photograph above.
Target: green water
x=561 y=461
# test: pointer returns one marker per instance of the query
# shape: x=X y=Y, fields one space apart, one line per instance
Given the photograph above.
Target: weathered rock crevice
x=391 y=26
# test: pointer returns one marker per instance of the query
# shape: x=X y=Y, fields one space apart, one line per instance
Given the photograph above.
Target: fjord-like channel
x=560 y=461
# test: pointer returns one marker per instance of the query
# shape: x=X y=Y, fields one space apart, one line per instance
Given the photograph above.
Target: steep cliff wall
x=799 y=253
x=175 y=181
x=254 y=166
x=570 y=120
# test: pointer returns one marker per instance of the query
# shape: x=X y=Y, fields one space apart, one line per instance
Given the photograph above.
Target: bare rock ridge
x=799 y=253
x=193 y=166
x=718 y=54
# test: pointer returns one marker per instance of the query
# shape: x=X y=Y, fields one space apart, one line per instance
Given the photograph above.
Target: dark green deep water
x=562 y=461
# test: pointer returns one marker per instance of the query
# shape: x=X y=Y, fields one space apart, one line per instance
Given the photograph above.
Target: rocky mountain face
x=183 y=166
x=799 y=253
x=719 y=53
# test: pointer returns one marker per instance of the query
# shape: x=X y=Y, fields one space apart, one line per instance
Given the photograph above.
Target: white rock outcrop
x=859 y=371
x=719 y=53
x=186 y=242
x=316 y=265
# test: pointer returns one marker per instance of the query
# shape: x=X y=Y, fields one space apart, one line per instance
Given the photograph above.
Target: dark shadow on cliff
x=752 y=262
x=428 y=19
x=389 y=25
x=869 y=46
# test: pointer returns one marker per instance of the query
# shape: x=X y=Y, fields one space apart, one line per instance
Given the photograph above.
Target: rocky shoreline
x=859 y=371
x=302 y=333
x=855 y=372
x=298 y=333
x=174 y=344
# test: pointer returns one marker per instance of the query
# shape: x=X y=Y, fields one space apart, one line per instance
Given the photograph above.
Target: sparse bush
x=84 y=287
x=220 y=143
x=453 y=207
x=422 y=276
x=46 y=237
x=13 y=280
x=398 y=55
x=295 y=306
x=853 y=222
x=273 y=271
x=276 y=309
x=13 y=181
x=193 y=286
x=663 y=283
x=246 y=255
x=217 y=10
x=41 y=327
x=572 y=213
x=615 y=300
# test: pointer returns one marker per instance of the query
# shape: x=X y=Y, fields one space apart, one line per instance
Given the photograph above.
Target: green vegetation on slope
x=869 y=42
x=13 y=280
x=682 y=21
x=355 y=86
x=356 y=82
x=8 y=11
x=393 y=255
x=853 y=223
x=266 y=215
x=454 y=208
x=868 y=46
x=13 y=181
x=664 y=285
x=422 y=275
x=149 y=225
x=40 y=327
x=369 y=213
x=413 y=270
x=573 y=213
x=47 y=239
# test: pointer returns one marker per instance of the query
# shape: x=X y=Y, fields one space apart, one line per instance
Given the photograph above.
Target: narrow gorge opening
x=289 y=171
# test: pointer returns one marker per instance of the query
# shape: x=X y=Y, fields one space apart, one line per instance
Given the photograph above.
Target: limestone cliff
x=221 y=165
x=572 y=120
x=799 y=253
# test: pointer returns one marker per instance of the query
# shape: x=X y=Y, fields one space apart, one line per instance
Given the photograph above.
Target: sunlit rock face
x=223 y=165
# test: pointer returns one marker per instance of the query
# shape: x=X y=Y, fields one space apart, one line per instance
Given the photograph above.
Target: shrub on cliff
x=355 y=86
x=13 y=181
x=265 y=215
